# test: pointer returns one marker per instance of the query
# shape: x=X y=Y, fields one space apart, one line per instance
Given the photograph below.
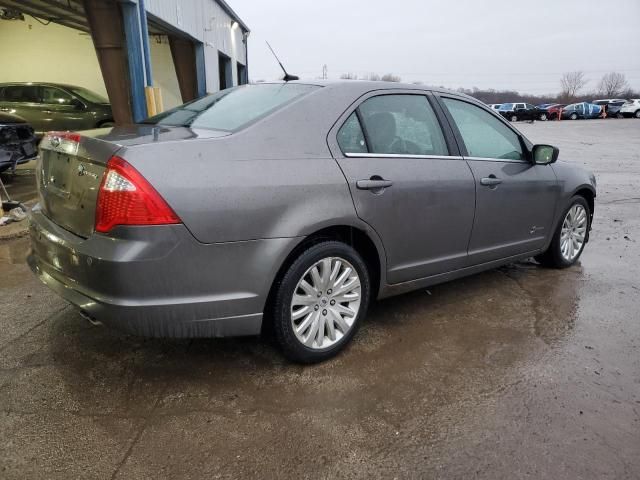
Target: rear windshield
x=232 y=109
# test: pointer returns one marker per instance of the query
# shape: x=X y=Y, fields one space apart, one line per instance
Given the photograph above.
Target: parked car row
x=612 y=107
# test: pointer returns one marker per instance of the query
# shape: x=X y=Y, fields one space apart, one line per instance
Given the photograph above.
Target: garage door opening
x=242 y=74
x=224 y=70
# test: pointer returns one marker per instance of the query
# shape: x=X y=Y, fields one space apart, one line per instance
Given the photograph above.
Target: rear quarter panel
x=274 y=179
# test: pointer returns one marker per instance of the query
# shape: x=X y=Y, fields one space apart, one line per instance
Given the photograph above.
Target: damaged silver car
x=18 y=143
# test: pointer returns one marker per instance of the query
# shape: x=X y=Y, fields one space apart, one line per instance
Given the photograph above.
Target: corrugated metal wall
x=207 y=22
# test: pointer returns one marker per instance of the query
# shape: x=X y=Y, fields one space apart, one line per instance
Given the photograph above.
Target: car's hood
x=138 y=134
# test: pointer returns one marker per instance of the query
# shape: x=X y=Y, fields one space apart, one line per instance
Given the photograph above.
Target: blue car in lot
x=581 y=110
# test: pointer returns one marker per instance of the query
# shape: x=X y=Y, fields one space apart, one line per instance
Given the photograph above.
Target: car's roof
x=369 y=85
x=50 y=84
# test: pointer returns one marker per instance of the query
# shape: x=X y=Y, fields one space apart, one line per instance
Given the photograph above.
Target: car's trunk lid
x=72 y=165
x=69 y=174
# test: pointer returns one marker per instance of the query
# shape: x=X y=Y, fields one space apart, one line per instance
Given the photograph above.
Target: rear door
x=515 y=199
x=407 y=182
x=23 y=100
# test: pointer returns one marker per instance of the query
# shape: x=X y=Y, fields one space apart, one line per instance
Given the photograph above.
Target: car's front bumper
x=159 y=281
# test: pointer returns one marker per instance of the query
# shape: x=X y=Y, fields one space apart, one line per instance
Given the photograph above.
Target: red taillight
x=126 y=198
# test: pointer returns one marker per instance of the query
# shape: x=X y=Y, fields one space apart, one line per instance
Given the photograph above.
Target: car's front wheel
x=573 y=116
x=543 y=117
x=570 y=237
x=320 y=302
x=637 y=114
x=514 y=118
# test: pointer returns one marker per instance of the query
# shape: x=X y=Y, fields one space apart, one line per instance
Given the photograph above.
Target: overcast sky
x=503 y=44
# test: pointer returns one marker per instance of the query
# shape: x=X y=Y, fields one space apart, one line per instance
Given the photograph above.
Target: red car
x=554 y=110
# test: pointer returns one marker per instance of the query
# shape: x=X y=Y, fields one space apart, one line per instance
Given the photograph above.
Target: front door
x=515 y=199
x=407 y=185
x=62 y=111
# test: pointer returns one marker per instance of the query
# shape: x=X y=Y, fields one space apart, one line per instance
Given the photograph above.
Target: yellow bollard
x=151 y=102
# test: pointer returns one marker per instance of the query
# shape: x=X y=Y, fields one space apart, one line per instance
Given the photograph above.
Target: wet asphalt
x=519 y=372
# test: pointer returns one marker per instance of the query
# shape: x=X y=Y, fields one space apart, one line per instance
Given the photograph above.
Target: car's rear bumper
x=159 y=281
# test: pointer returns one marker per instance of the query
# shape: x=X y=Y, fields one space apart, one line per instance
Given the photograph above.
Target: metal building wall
x=208 y=22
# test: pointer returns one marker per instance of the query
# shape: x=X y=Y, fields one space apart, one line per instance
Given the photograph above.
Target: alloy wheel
x=574 y=231
x=325 y=303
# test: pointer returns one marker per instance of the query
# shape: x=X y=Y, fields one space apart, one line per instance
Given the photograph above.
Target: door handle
x=490 y=181
x=374 y=183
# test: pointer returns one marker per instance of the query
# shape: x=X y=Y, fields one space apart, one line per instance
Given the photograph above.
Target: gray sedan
x=291 y=206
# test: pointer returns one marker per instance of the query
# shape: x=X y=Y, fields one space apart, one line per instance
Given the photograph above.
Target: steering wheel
x=406 y=147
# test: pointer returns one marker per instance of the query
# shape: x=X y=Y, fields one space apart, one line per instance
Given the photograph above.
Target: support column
x=183 y=53
x=107 y=33
x=135 y=57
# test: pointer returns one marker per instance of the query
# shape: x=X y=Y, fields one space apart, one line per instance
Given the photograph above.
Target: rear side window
x=233 y=108
x=484 y=135
x=21 y=94
x=350 y=136
x=402 y=125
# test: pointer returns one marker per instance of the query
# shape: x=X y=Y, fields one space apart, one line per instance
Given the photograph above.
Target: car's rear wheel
x=573 y=116
x=514 y=118
x=570 y=237
x=543 y=117
x=320 y=302
x=106 y=124
x=637 y=114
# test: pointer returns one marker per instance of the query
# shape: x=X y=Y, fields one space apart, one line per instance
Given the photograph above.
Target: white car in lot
x=631 y=108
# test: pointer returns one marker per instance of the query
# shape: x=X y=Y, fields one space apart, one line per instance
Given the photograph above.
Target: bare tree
x=612 y=84
x=390 y=77
x=572 y=83
x=374 y=77
x=348 y=76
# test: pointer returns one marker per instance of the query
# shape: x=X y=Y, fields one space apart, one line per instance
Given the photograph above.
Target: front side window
x=402 y=125
x=55 y=96
x=233 y=108
x=89 y=95
x=484 y=135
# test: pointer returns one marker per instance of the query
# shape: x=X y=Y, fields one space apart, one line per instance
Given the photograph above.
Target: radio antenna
x=287 y=76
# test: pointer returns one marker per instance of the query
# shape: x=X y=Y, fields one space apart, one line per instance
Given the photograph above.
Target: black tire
x=553 y=257
x=513 y=118
x=573 y=116
x=543 y=117
x=291 y=347
x=637 y=114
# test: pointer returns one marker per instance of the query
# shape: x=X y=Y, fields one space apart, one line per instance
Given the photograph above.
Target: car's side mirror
x=545 y=154
x=77 y=104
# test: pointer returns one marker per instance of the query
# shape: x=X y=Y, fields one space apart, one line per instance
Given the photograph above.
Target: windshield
x=232 y=109
x=506 y=106
x=88 y=95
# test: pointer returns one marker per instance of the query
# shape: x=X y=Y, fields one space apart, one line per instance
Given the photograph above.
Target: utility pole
x=324 y=71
